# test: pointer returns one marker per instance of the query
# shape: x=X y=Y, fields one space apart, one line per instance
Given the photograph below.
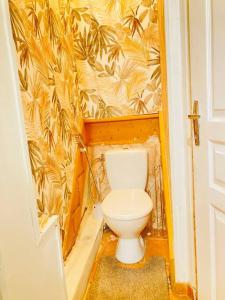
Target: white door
x=207 y=55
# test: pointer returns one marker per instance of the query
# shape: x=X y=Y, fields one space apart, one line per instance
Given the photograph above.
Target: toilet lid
x=127 y=204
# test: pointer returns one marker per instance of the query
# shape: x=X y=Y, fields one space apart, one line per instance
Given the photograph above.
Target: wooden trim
x=121 y=130
x=74 y=216
x=164 y=136
x=75 y=206
x=123 y=118
x=167 y=191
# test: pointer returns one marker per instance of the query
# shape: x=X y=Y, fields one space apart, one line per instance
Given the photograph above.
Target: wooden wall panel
x=74 y=214
x=121 y=130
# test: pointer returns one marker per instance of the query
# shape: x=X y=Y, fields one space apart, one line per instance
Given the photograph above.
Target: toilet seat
x=127 y=204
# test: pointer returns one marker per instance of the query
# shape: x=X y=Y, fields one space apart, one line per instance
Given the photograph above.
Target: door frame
x=180 y=141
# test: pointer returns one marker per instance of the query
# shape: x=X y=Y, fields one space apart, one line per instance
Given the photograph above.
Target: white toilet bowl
x=126 y=212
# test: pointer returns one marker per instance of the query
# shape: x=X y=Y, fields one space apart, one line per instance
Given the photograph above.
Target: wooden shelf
x=122 y=118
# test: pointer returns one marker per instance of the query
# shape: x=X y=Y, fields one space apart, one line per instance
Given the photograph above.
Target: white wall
x=31 y=264
x=176 y=23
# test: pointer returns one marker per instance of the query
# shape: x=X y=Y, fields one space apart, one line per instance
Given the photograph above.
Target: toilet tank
x=126 y=169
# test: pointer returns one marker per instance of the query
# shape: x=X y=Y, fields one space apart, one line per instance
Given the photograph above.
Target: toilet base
x=130 y=251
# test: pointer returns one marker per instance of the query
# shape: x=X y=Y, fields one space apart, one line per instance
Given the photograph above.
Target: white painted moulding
x=79 y=263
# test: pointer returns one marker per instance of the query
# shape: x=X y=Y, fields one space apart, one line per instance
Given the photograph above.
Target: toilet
x=126 y=209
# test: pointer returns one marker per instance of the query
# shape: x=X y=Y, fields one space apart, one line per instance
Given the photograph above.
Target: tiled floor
x=154 y=247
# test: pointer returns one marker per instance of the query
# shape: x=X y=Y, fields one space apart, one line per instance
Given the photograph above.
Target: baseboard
x=180 y=288
x=80 y=261
x=183 y=289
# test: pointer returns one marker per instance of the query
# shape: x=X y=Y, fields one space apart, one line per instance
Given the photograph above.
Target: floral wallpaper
x=43 y=32
x=117 y=57
x=90 y=58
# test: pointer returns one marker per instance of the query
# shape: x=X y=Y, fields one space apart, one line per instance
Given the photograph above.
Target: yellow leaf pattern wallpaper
x=117 y=57
x=90 y=58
